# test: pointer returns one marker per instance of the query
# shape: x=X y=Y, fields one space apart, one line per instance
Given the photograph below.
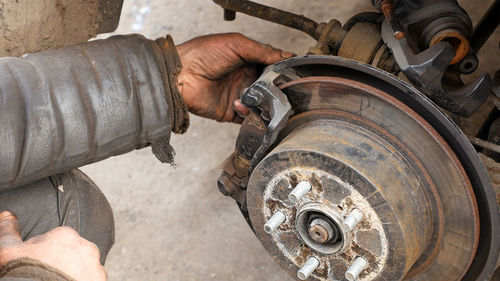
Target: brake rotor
x=360 y=185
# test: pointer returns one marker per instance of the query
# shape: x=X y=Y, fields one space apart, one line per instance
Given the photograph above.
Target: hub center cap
x=322 y=231
x=320 y=227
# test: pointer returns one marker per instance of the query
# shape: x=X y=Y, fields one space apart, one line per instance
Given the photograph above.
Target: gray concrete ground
x=171 y=222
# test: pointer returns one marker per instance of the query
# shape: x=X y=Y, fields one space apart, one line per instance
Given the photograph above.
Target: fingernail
x=287 y=55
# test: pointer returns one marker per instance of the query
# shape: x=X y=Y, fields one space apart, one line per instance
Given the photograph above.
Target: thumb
x=9 y=229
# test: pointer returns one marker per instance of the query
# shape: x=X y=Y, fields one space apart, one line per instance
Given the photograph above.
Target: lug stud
x=308 y=268
x=353 y=219
x=355 y=269
x=274 y=222
x=299 y=191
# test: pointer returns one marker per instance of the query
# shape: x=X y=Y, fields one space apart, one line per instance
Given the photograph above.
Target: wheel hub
x=357 y=184
x=363 y=162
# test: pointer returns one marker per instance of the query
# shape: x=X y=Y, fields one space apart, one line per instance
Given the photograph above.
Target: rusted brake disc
x=366 y=178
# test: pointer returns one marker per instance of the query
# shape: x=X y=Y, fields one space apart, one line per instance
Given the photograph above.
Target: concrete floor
x=171 y=222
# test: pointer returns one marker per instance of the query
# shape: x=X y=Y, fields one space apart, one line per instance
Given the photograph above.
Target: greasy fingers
x=240 y=108
x=255 y=52
x=241 y=111
x=217 y=68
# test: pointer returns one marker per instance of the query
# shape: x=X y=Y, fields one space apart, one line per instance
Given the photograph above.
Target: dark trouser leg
x=69 y=199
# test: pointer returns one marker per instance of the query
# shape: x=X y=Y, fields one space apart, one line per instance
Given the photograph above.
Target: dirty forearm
x=65 y=108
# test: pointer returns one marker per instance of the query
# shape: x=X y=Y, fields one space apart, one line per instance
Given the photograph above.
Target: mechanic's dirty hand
x=61 y=248
x=217 y=68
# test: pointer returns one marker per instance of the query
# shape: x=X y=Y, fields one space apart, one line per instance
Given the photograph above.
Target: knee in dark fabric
x=69 y=199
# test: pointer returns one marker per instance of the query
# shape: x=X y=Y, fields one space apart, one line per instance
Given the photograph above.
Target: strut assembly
x=345 y=171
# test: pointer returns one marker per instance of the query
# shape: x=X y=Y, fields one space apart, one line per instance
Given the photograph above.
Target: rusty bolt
x=274 y=222
x=299 y=191
x=355 y=269
x=321 y=231
x=308 y=268
x=226 y=186
x=252 y=97
x=398 y=34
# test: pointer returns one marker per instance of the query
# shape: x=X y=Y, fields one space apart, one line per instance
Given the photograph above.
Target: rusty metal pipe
x=271 y=14
x=484 y=144
x=387 y=9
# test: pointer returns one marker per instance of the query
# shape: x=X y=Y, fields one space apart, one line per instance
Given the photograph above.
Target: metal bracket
x=274 y=107
x=426 y=69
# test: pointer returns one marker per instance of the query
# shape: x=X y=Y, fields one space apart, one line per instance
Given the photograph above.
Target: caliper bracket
x=426 y=69
x=274 y=107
